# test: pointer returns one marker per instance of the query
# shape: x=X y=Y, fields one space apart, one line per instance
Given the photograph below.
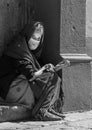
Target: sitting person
x=24 y=81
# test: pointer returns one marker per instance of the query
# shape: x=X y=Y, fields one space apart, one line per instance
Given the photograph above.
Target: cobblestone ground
x=72 y=121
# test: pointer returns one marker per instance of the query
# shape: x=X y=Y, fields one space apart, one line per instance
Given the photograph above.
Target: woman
x=24 y=81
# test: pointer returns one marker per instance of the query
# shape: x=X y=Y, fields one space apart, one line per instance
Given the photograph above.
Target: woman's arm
x=48 y=67
x=28 y=68
x=25 y=67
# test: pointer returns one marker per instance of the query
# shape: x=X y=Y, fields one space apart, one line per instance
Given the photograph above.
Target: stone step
x=14 y=113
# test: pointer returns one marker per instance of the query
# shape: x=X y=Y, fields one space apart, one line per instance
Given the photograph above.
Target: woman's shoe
x=56 y=113
x=44 y=115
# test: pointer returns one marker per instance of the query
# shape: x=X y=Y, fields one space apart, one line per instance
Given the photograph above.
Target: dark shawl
x=18 y=59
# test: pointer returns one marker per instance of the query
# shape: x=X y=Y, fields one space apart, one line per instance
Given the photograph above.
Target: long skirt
x=42 y=92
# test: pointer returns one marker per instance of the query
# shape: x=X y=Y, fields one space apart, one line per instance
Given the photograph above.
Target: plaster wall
x=76 y=78
x=89 y=27
x=72 y=28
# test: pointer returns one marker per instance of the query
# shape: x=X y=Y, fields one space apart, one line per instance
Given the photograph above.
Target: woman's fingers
x=39 y=72
x=49 y=67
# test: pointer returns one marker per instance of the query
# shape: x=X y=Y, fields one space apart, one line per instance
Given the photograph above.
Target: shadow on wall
x=48 y=12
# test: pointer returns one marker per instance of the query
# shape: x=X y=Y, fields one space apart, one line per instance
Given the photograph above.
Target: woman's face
x=34 y=41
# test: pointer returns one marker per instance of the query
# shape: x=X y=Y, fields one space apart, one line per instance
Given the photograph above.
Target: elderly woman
x=24 y=81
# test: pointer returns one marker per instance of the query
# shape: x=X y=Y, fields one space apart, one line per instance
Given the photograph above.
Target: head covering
x=28 y=31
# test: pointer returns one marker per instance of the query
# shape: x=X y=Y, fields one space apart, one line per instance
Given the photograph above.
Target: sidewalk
x=72 y=121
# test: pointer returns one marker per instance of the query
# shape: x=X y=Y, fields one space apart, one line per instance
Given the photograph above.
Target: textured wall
x=76 y=78
x=89 y=26
x=77 y=87
x=72 y=26
x=13 y=15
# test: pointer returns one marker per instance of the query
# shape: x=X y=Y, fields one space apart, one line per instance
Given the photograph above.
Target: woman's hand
x=39 y=72
x=49 y=67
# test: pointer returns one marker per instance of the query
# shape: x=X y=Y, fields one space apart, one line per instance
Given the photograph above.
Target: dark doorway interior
x=48 y=11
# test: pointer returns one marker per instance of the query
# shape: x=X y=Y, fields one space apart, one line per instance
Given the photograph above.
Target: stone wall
x=89 y=26
x=72 y=26
x=77 y=77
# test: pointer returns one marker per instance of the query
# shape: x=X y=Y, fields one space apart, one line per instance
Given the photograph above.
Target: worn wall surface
x=76 y=78
x=77 y=87
x=89 y=26
x=72 y=26
x=13 y=15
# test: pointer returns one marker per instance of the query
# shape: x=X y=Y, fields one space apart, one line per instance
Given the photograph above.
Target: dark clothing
x=17 y=60
x=7 y=74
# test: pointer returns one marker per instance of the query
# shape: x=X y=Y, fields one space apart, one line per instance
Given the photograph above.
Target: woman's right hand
x=39 y=72
x=48 y=67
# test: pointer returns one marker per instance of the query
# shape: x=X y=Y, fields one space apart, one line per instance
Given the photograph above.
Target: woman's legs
x=47 y=99
x=20 y=92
